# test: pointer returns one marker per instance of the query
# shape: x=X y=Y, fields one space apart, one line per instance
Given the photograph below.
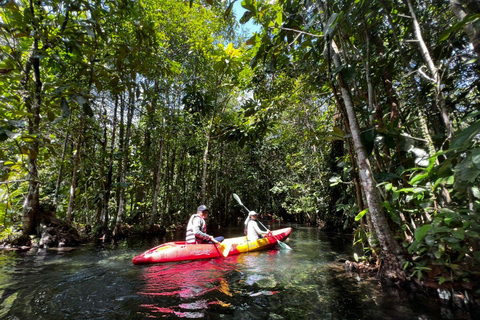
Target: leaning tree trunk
x=390 y=248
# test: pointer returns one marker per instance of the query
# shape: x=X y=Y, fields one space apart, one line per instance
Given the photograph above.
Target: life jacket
x=191 y=238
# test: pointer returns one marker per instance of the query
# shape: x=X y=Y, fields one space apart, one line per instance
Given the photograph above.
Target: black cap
x=202 y=208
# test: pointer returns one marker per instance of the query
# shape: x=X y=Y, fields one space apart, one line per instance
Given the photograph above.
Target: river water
x=98 y=281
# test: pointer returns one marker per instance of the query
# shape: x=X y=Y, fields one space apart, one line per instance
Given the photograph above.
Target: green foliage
x=448 y=237
x=169 y=90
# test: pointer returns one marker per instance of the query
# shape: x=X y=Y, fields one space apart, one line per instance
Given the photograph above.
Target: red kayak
x=179 y=251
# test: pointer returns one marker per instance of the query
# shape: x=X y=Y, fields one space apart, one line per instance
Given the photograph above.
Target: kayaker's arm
x=197 y=230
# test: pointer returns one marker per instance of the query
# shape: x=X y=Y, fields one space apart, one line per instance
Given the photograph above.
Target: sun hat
x=202 y=208
x=252 y=213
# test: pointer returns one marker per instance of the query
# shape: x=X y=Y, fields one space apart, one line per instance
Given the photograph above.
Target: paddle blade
x=238 y=199
x=225 y=249
x=283 y=245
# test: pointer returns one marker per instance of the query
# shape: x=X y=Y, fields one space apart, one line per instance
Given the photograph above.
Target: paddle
x=280 y=243
x=225 y=249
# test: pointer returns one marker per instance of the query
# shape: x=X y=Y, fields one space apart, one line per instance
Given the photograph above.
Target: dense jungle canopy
x=122 y=116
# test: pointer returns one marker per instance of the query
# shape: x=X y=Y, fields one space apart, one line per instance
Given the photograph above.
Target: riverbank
x=458 y=295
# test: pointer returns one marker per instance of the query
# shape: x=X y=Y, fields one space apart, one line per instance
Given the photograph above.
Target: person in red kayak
x=252 y=229
x=197 y=228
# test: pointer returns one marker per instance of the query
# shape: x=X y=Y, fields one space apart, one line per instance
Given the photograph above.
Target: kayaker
x=197 y=228
x=253 y=231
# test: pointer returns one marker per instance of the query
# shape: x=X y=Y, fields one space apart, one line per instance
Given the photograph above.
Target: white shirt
x=253 y=231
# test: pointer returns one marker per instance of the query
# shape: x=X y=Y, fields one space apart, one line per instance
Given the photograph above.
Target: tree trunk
x=390 y=248
x=73 y=185
x=205 y=166
x=121 y=144
x=158 y=180
x=440 y=100
x=348 y=130
x=123 y=174
x=101 y=178
x=31 y=205
x=108 y=184
x=60 y=173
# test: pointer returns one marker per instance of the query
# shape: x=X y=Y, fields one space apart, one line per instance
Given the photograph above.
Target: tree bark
x=101 y=178
x=123 y=174
x=31 y=205
x=158 y=179
x=205 y=166
x=108 y=184
x=60 y=173
x=73 y=185
x=390 y=248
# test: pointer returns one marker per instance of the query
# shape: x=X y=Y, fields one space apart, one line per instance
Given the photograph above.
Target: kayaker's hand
x=213 y=240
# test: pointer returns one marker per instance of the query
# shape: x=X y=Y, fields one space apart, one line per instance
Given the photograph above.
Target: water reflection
x=188 y=289
x=188 y=284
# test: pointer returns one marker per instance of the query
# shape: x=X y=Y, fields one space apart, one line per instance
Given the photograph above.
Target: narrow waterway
x=98 y=281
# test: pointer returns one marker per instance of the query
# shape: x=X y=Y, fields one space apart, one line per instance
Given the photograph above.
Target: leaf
x=395 y=217
x=50 y=115
x=331 y=23
x=228 y=11
x=87 y=109
x=386 y=176
x=476 y=157
x=467 y=170
x=472 y=234
x=247 y=15
x=476 y=254
x=349 y=73
x=464 y=138
x=422 y=231
x=249 y=5
x=334 y=180
x=28 y=138
x=418 y=178
x=458 y=234
x=253 y=40
x=361 y=214
x=279 y=18
x=368 y=140
x=430 y=240
x=466 y=20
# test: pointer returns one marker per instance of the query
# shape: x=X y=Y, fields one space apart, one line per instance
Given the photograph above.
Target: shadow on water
x=100 y=282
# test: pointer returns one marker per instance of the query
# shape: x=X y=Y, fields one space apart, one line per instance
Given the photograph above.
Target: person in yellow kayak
x=252 y=229
x=197 y=228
